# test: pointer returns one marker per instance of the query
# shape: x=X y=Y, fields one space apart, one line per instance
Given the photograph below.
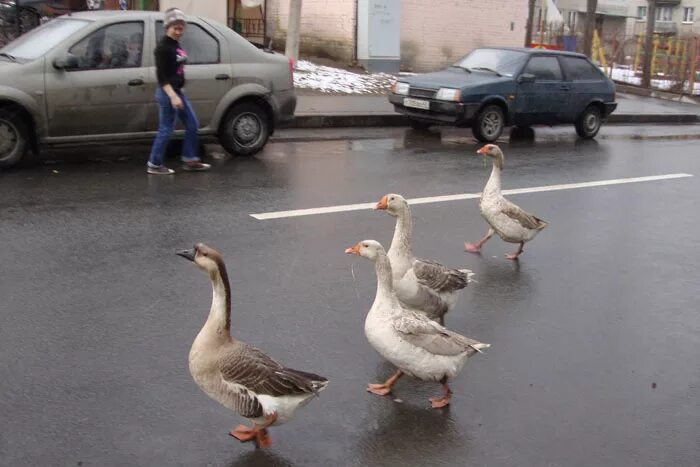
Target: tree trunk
x=530 y=22
x=649 y=43
x=591 y=6
x=292 y=46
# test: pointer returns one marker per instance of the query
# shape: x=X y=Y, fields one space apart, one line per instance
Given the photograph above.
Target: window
x=201 y=47
x=641 y=13
x=571 y=20
x=544 y=68
x=40 y=40
x=115 y=46
x=580 y=69
x=506 y=62
x=664 y=13
x=688 y=14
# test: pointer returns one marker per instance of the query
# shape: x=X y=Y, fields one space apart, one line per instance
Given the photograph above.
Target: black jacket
x=170 y=63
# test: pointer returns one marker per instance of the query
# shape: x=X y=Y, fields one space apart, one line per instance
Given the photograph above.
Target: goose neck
x=401 y=243
x=493 y=186
x=219 y=320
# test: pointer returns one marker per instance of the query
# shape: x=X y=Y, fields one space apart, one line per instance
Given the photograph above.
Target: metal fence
x=673 y=63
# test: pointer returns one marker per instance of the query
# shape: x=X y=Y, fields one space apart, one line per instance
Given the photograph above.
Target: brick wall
x=438 y=32
x=433 y=32
x=327 y=27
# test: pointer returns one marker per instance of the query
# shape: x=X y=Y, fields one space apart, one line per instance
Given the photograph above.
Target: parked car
x=90 y=77
x=492 y=88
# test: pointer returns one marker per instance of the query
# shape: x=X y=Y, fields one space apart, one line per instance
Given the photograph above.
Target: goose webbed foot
x=382 y=389
x=440 y=402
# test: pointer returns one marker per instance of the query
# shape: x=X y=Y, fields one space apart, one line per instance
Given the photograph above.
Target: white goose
x=238 y=376
x=417 y=345
x=423 y=285
x=508 y=220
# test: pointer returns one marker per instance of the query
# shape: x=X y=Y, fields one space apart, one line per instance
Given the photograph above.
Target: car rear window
x=201 y=47
x=580 y=69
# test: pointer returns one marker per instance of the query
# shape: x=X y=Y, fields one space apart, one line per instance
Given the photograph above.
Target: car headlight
x=447 y=94
x=401 y=88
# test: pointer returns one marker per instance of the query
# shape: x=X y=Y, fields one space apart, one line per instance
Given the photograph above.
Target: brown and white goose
x=238 y=376
x=415 y=344
x=508 y=220
x=423 y=285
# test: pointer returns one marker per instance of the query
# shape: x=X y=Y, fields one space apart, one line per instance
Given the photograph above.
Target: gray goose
x=239 y=376
x=508 y=220
x=423 y=285
x=415 y=344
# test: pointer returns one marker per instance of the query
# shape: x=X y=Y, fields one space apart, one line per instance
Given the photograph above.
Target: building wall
x=327 y=27
x=438 y=32
x=680 y=27
x=433 y=32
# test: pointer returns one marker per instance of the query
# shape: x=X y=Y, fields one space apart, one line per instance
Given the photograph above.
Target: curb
x=395 y=120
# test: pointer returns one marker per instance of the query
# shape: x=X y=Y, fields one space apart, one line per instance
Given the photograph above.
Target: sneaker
x=195 y=166
x=161 y=170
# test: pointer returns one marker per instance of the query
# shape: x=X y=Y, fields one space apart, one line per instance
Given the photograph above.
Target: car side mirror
x=526 y=78
x=66 y=62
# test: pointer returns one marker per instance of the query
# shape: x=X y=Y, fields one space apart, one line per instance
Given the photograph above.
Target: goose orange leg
x=257 y=433
x=476 y=247
x=382 y=389
x=515 y=255
x=443 y=401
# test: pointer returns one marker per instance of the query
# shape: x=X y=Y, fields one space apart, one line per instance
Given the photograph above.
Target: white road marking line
x=440 y=199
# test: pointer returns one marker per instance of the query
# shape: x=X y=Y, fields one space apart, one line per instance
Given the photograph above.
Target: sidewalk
x=322 y=111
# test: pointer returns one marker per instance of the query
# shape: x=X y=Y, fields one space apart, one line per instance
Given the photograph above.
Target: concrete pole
x=530 y=21
x=292 y=47
x=649 y=44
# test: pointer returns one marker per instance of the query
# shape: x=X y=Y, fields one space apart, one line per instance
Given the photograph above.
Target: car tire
x=489 y=124
x=245 y=129
x=419 y=124
x=588 y=124
x=14 y=138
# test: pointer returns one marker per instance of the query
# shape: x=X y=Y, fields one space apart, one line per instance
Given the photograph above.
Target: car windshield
x=40 y=40
x=504 y=62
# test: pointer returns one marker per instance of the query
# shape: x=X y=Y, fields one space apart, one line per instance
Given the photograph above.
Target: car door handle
x=222 y=77
x=136 y=82
x=564 y=87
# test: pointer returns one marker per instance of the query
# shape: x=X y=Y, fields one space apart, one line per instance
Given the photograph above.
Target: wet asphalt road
x=595 y=333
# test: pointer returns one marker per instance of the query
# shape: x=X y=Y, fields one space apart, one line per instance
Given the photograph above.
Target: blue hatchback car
x=491 y=88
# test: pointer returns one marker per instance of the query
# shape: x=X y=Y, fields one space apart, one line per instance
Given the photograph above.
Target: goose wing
x=524 y=218
x=252 y=369
x=432 y=337
x=437 y=277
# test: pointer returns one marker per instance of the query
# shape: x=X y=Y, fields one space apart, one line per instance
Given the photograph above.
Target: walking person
x=170 y=70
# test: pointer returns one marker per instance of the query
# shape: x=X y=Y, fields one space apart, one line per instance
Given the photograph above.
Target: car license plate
x=416 y=103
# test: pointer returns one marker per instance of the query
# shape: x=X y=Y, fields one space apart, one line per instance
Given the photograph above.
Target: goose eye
x=391 y=199
x=365 y=245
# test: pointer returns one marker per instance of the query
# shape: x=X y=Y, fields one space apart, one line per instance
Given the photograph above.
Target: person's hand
x=176 y=102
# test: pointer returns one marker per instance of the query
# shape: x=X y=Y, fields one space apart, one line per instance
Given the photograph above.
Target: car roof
x=96 y=15
x=532 y=51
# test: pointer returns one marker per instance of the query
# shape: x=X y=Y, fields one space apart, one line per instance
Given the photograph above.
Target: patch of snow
x=308 y=75
x=625 y=75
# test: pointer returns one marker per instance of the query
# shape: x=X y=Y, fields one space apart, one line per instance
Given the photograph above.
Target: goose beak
x=382 y=204
x=483 y=151
x=353 y=250
x=187 y=254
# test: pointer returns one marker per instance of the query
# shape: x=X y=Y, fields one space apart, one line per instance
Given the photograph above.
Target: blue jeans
x=168 y=116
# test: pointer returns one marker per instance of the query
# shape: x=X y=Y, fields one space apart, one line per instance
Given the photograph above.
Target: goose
x=423 y=285
x=415 y=344
x=508 y=220
x=239 y=376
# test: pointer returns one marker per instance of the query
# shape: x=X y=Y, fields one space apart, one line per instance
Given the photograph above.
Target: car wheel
x=588 y=124
x=418 y=124
x=489 y=124
x=245 y=129
x=14 y=138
